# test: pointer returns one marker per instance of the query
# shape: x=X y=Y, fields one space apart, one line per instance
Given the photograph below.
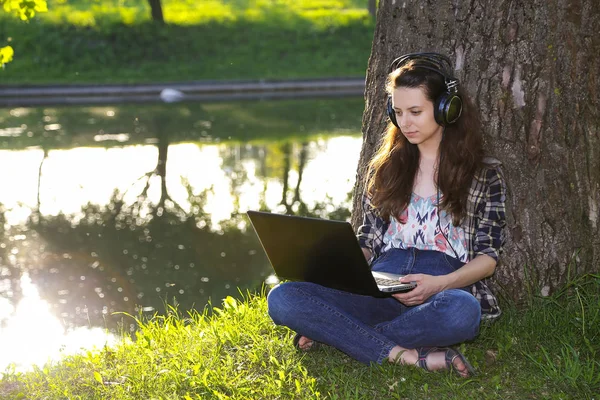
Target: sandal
x=315 y=345
x=450 y=355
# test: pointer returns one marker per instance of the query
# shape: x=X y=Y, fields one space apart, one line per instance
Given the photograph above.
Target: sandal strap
x=453 y=354
x=422 y=353
x=450 y=355
x=296 y=339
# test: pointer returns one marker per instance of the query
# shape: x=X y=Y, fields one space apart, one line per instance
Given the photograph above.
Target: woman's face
x=414 y=114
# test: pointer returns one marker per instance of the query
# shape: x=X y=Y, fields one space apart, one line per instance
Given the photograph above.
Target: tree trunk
x=372 y=6
x=161 y=164
x=156 y=11
x=532 y=68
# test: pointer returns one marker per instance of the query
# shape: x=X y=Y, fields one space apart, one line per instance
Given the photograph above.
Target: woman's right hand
x=427 y=286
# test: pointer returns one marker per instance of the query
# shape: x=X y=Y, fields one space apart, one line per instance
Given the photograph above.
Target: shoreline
x=168 y=92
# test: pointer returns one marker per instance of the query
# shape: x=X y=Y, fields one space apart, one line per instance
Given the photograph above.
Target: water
x=124 y=209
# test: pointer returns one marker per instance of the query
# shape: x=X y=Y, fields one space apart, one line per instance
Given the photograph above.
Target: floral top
x=418 y=227
x=483 y=227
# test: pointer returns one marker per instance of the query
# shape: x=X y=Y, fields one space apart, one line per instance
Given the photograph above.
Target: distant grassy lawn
x=115 y=41
x=547 y=350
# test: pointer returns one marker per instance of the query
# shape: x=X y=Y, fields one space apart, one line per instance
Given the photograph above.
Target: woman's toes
x=460 y=367
x=305 y=343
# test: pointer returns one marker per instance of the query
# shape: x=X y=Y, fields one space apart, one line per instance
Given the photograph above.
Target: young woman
x=434 y=210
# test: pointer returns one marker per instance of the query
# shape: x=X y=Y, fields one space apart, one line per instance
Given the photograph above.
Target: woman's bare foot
x=432 y=359
x=303 y=343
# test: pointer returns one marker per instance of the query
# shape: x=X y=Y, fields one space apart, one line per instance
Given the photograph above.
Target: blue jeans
x=367 y=328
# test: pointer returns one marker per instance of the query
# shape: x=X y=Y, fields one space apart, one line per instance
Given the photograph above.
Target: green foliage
x=6 y=55
x=190 y=12
x=115 y=41
x=25 y=10
x=546 y=351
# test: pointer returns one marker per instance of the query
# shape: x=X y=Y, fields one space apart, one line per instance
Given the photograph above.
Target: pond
x=135 y=208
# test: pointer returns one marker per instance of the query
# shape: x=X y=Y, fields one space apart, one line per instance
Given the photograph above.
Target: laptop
x=321 y=251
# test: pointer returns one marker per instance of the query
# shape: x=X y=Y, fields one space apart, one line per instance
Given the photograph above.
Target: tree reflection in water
x=139 y=250
x=138 y=256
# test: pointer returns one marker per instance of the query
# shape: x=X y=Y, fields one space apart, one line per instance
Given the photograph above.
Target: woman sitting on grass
x=434 y=210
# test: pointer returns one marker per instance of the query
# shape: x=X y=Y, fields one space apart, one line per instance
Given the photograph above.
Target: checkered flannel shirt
x=483 y=225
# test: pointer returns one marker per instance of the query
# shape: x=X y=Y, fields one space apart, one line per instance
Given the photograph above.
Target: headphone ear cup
x=438 y=109
x=453 y=109
x=448 y=108
x=390 y=112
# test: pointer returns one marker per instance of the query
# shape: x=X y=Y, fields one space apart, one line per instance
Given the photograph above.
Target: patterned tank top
x=418 y=227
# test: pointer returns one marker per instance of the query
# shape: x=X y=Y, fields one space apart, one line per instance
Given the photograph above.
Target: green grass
x=81 y=41
x=547 y=350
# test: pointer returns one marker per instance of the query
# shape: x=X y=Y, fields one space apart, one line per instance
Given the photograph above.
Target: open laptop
x=321 y=251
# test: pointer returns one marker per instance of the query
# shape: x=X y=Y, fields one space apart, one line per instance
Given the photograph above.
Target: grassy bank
x=548 y=350
x=114 y=41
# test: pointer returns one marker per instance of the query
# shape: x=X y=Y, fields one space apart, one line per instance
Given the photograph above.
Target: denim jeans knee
x=467 y=311
x=330 y=316
x=280 y=302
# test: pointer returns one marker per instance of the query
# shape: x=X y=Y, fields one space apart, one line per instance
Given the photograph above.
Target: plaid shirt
x=483 y=225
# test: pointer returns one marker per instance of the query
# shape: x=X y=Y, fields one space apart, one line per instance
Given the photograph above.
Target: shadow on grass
x=238 y=353
x=548 y=349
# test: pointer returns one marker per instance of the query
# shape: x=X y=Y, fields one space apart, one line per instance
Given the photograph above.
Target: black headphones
x=448 y=106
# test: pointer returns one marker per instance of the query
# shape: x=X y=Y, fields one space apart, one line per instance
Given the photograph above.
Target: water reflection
x=246 y=176
x=41 y=335
x=87 y=231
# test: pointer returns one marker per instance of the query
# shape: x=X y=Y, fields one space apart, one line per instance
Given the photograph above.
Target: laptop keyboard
x=387 y=282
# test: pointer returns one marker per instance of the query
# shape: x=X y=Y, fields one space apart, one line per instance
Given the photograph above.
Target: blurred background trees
x=25 y=10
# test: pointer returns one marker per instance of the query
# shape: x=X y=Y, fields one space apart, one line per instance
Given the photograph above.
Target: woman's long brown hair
x=393 y=168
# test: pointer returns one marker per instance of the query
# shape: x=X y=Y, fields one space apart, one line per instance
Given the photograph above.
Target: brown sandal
x=450 y=355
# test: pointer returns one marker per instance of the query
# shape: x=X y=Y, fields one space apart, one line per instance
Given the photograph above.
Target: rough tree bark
x=533 y=69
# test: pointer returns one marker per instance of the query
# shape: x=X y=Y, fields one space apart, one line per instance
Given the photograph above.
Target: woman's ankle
x=400 y=355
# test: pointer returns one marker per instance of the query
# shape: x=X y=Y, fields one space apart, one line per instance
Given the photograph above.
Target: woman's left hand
x=427 y=286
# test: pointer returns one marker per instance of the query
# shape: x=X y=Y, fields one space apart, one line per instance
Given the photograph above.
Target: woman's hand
x=427 y=286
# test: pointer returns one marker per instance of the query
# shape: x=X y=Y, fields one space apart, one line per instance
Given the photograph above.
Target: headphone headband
x=447 y=106
x=435 y=62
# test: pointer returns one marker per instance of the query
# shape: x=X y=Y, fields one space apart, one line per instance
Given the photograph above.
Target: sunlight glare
x=31 y=335
x=73 y=178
